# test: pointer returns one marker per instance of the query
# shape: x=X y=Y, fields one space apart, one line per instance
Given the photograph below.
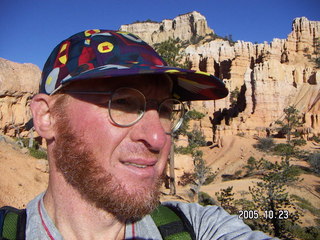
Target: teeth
x=135 y=165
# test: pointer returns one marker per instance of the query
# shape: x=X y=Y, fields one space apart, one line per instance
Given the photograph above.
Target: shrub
x=195 y=115
x=226 y=199
x=184 y=150
x=254 y=165
x=196 y=139
x=38 y=153
x=186 y=178
x=305 y=233
x=211 y=176
x=205 y=199
x=314 y=160
x=299 y=142
x=265 y=144
x=284 y=149
x=305 y=204
x=316 y=139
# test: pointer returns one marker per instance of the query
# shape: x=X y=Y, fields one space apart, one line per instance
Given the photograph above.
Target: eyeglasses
x=127 y=106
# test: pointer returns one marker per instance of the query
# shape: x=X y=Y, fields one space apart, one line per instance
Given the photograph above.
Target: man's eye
x=122 y=101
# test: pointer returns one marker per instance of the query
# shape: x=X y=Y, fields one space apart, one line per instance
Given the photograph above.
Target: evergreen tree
x=201 y=173
x=171 y=51
x=272 y=199
x=226 y=199
x=291 y=121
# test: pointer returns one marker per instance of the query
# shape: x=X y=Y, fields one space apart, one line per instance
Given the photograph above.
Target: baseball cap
x=96 y=54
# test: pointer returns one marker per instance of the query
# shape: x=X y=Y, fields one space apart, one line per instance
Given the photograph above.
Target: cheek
x=95 y=129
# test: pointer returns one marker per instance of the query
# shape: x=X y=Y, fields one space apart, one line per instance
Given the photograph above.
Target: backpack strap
x=172 y=223
x=12 y=223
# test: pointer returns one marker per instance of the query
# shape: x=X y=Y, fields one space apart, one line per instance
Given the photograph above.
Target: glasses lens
x=126 y=106
x=171 y=113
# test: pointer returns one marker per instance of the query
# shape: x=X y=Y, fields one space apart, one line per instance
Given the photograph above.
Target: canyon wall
x=269 y=76
x=18 y=83
x=184 y=27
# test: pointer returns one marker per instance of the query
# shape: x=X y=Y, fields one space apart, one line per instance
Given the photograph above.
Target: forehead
x=160 y=83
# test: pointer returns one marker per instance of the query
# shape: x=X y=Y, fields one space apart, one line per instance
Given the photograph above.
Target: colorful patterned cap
x=106 y=54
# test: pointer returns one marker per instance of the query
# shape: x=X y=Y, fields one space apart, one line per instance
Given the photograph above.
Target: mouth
x=135 y=165
x=140 y=167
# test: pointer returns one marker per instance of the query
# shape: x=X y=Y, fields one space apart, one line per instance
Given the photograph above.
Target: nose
x=150 y=131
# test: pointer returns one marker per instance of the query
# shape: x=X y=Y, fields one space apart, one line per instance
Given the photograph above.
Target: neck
x=74 y=217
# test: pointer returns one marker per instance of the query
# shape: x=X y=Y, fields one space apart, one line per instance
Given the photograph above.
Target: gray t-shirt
x=208 y=222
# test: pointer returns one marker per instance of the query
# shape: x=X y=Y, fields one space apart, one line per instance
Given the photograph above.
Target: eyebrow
x=91 y=92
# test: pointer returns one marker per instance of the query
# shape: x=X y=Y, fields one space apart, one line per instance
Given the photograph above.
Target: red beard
x=80 y=168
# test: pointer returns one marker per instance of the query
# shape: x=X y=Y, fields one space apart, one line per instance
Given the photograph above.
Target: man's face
x=118 y=169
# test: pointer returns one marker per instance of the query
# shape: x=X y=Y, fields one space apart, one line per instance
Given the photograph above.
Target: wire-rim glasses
x=126 y=106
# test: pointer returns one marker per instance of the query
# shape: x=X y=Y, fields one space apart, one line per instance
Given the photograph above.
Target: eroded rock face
x=271 y=77
x=184 y=27
x=18 y=83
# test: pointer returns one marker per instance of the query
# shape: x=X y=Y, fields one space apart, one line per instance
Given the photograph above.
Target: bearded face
x=100 y=181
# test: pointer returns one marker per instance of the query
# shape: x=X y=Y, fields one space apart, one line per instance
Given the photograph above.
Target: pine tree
x=226 y=199
x=171 y=51
x=270 y=196
x=291 y=121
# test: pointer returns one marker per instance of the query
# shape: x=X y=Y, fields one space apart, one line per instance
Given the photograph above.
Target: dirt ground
x=22 y=177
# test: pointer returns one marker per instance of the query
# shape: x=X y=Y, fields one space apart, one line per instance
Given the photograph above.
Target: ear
x=42 y=118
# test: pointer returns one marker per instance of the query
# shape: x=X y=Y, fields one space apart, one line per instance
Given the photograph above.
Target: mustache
x=140 y=149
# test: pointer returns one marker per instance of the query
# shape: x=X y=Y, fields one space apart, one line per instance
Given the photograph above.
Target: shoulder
x=213 y=222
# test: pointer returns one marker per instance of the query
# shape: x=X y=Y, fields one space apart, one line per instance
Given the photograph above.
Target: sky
x=30 y=29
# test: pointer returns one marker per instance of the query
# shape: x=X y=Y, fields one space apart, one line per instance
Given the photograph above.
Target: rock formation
x=184 y=27
x=269 y=76
x=18 y=83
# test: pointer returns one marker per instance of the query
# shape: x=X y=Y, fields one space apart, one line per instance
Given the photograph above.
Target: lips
x=140 y=167
x=140 y=163
x=135 y=165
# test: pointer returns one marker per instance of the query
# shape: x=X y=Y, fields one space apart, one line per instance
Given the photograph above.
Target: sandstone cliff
x=184 y=27
x=18 y=83
x=270 y=76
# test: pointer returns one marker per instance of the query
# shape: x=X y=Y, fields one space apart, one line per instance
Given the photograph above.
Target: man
x=107 y=108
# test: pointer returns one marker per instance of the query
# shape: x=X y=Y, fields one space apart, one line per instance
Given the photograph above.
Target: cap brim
x=188 y=85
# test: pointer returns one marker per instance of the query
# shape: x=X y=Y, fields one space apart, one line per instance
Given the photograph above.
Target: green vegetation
x=288 y=127
x=284 y=149
x=317 y=52
x=34 y=148
x=205 y=199
x=305 y=204
x=195 y=137
x=234 y=97
x=292 y=120
x=228 y=38
x=270 y=198
x=226 y=200
x=314 y=160
x=38 y=153
x=190 y=115
x=145 y=21
x=171 y=51
x=202 y=173
x=265 y=144
x=279 y=213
